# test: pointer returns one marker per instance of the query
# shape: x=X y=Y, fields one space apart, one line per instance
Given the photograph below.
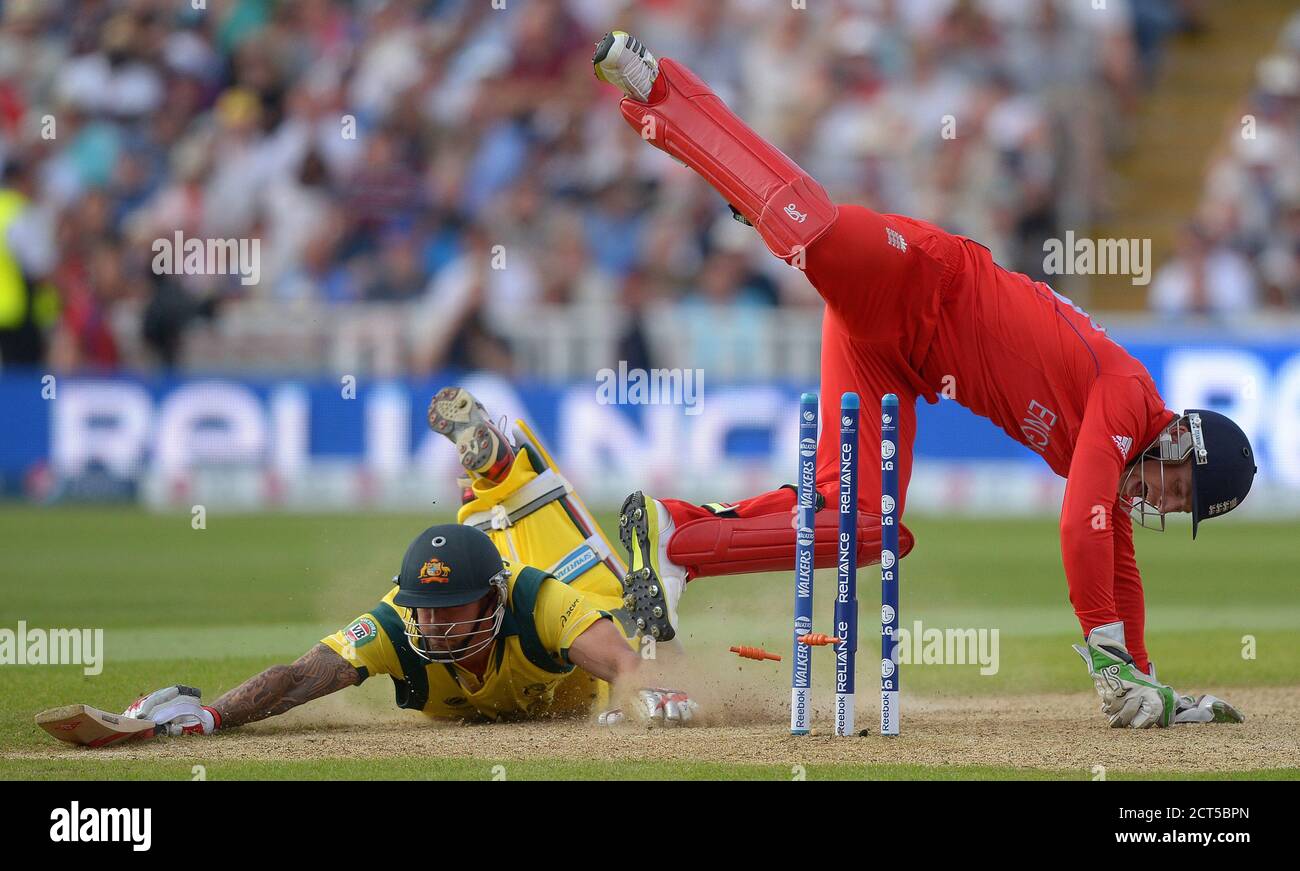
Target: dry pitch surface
x=1050 y=732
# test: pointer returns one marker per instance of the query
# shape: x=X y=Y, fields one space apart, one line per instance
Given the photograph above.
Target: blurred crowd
x=458 y=156
x=1242 y=249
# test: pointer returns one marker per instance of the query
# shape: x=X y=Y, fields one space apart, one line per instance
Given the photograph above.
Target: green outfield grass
x=210 y=607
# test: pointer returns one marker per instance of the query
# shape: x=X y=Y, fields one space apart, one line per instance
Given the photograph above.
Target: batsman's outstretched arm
x=318 y=672
x=603 y=652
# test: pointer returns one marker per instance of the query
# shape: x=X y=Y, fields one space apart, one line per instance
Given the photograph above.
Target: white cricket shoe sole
x=624 y=62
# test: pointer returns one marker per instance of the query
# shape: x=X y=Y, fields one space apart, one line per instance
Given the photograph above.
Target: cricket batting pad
x=708 y=546
x=787 y=206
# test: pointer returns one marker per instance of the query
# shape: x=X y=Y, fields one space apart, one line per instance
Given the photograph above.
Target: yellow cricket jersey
x=528 y=675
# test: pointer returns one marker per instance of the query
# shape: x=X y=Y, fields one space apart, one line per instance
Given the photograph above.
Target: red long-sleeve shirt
x=921 y=312
x=1049 y=376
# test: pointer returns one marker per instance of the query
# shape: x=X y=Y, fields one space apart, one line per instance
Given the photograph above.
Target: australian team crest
x=435 y=571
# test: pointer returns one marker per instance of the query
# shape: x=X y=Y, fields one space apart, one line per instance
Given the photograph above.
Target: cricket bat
x=91 y=727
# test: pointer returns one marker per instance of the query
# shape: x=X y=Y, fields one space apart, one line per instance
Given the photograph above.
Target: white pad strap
x=537 y=493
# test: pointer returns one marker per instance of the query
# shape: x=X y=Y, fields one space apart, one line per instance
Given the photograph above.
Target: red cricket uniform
x=917 y=311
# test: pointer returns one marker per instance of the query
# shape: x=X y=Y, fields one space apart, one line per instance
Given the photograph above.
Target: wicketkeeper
x=516 y=611
x=919 y=312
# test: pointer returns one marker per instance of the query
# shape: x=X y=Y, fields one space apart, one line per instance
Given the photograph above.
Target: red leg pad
x=787 y=206
x=714 y=545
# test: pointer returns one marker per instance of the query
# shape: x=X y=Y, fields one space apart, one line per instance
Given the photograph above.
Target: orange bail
x=817 y=639
x=756 y=653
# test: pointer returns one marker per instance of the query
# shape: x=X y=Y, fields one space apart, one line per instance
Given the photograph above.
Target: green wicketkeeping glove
x=1129 y=698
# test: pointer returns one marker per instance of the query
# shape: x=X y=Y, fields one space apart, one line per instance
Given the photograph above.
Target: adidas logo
x=1124 y=443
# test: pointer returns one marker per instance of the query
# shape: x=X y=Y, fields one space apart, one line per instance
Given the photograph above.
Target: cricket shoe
x=653 y=584
x=484 y=450
x=624 y=62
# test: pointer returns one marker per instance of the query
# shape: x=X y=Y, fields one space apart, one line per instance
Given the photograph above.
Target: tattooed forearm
x=318 y=672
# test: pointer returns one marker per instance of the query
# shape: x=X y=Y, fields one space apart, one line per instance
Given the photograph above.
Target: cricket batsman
x=919 y=312
x=516 y=611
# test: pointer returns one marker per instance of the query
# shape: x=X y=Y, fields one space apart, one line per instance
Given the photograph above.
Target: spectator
x=1280 y=261
x=399 y=277
x=295 y=210
x=615 y=226
x=169 y=314
x=1252 y=199
x=1204 y=278
x=26 y=258
x=119 y=80
x=633 y=345
x=458 y=318
x=396 y=151
x=83 y=339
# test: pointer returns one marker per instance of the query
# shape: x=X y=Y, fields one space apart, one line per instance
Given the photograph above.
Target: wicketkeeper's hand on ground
x=1129 y=698
x=1206 y=709
x=178 y=708
x=654 y=706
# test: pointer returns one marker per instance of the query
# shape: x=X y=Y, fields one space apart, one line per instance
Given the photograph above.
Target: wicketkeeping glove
x=1206 y=709
x=655 y=706
x=1128 y=696
x=178 y=709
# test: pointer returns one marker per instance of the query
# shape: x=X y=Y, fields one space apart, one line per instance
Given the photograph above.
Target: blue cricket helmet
x=1223 y=464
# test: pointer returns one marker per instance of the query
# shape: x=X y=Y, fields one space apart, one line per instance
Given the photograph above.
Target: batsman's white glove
x=655 y=706
x=178 y=709
x=1128 y=697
